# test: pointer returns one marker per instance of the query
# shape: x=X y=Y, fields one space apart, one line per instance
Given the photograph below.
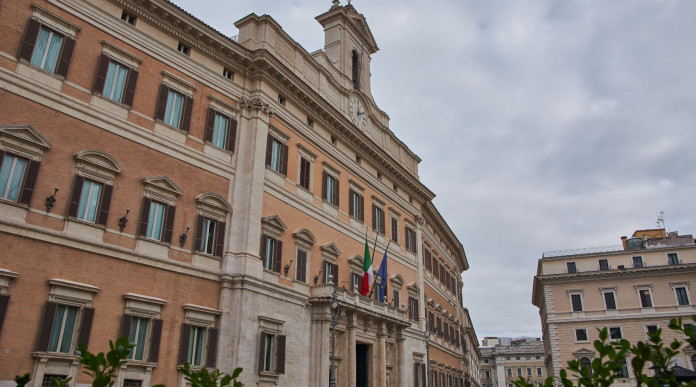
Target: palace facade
x=205 y=196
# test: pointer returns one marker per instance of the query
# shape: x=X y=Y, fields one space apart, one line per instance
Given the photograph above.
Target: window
x=128 y=17
x=115 y=80
x=47 y=380
x=301 y=271
x=413 y=309
x=63 y=329
x=271 y=353
x=395 y=298
x=603 y=264
x=355 y=66
x=509 y=372
x=356 y=281
x=331 y=269
x=143 y=327
x=199 y=337
x=394 y=229
x=581 y=334
x=624 y=368
x=174 y=108
x=645 y=298
x=693 y=361
x=220 y=130
x=609 y=300
x=132 y=383
x=378 y=219
x=210 y=236
x=276 y=155
x=89 y=197
x=330 y=188
x=519 y=371
x=576 y=302
x=137 y=335
x=571 y=267
x=672 y=259
x=427 y=258
x=227 y=73
x=356 y=205
x=682 y=295
x=281 y=100
x=539 y=372
x=183 y=48
x=271 y=250
x=157 y=220
x=529 y=371
x=436 y=268
x=638 y=261
x=651 y=329
x=47 y=49
x=585 y=363
x=410 y=239
x=615 y=333
x=17 y=178
x=488 y=373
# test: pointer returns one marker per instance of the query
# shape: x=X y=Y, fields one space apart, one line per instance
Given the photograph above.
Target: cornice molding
x=601 y=275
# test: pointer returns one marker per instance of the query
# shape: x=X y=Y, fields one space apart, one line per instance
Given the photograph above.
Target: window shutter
x=125 y=325
x=269 y=149
x=394 y=230
x=65 y=55
x=102 y=69
x=280 y=354
x=361 y=210
x=301 y=271
x=184 y=343
x=351 y=194
x=46 y=326
x=144 y=215
x=262 y=248
x=334 y=272
x=381 y=223
x=211 y=355
x=324 y=176
x=155 y=340
x=161 y=102
x=4 y=302
x=104 y=204
x=29 y=40
x=219 y=239
x=130 y=87
x=416 y=368
x=423 y=375
x=169 y=224
x=278 y=252
x=75 y=196
x=262 y=344
x=199 y=233
x=374 y=216
x=186 y=118
x=86 y=325
x=231 y=135
x=335 y=192
x=284 y=159
x=209 y=125
x=29 y=182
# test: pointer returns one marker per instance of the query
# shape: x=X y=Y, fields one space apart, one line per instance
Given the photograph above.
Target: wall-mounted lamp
x=50 y=200
x=287 y=268
x=182 y=237
x=124 y=219
x=316 y=277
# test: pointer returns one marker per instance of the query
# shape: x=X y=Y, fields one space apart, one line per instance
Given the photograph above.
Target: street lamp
x=427 y=353
x=334 y=317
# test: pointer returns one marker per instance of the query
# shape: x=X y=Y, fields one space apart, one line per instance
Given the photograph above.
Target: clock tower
x=348 y=43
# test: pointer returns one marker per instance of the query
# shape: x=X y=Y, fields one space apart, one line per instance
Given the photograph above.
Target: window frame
x=645 y=296
x=277 y=151
x=603 y=264
x=42 y=18
x=378 y=216
x=578 y=293
x=586 y=333
x=330 y=191
x=637 y=263
x=571 y=267
x=410 y=238
x=202 y=319
x=612 y=291
x=673 y=259
x=684 y=286
x=112 y=54
x=618 y=329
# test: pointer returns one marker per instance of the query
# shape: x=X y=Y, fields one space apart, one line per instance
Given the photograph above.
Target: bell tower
x=348 y=43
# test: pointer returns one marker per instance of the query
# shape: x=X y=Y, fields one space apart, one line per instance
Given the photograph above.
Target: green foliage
x=102 y=367
x=22 y=381
x=60 y=382
x=654 y=355
x=203 y=378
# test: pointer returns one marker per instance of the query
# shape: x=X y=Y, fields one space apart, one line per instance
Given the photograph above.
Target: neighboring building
x=631 y=289
x=203 y=194
x=505 y=359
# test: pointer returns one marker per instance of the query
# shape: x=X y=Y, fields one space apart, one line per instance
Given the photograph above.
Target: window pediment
x=97 y=165
x=50 y=19
x=162 y=188
x=397 y=280
x=413 y=288
x=213 y=205
x=304 y=236
x=330 y=250
x=356 y=263
x=584 y=352
x=24 y=139
x=273 y=225
x=70 y=292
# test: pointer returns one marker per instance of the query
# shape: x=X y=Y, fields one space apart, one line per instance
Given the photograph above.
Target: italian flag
x=367 y=278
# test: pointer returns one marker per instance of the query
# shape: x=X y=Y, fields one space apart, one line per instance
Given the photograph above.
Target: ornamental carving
x=255 y=103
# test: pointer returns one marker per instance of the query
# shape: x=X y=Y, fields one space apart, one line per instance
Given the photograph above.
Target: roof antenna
x=661 y=220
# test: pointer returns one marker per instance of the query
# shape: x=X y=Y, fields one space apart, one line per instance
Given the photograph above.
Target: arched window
x=586 y=363
x=356 y=69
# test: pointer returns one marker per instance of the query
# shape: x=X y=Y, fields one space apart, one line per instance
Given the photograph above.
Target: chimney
x=624 y=243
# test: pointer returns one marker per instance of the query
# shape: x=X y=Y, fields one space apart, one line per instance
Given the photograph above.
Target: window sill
x=151 y=246
x=167 y=130
x=54 y=355
x=217 y=152
x=38 y=74
x=111 y=106
x=141 y=364
x=86 y=230
x=274 y=176
x=268 y=378
x=206 y=261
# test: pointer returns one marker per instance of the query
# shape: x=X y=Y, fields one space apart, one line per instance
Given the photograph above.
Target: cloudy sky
x=542 y=125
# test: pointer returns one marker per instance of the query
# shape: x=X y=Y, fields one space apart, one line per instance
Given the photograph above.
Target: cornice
x=650 y=271
x=433 y=216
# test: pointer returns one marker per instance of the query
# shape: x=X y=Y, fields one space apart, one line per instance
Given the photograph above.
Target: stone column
x=351 y=325
x=246 y=189
x=381 y=356
x=401 y=375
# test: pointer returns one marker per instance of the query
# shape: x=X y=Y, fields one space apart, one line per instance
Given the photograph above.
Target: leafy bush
x=652 y=355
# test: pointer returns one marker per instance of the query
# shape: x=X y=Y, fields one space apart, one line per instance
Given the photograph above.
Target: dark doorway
x=361 y=365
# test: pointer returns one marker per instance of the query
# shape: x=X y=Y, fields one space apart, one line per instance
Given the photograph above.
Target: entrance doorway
x=361 y=374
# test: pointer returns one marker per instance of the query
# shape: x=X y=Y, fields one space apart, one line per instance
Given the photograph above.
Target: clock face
x=357 y=113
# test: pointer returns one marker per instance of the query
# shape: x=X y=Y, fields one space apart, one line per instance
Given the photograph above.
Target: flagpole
x=374 y=248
